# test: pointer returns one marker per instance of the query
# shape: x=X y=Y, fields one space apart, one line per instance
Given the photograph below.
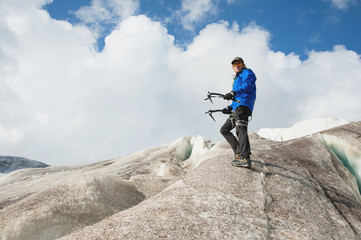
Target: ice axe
x=211 y=95
x=210 y=112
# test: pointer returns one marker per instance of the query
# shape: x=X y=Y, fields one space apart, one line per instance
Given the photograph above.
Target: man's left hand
x=229 y=96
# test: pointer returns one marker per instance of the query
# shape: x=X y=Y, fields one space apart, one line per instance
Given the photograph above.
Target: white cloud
x=334 y=88
x=195 y=11
x=107 y=10
x=341 y=4
x=62 y=102
x=102 y=12
x=316 y=38
x=10 y=136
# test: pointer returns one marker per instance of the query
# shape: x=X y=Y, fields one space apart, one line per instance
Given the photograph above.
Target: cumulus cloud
x=334 y=88
x=62 y=102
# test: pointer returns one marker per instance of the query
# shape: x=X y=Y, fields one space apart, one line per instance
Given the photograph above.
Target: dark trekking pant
x=239 y=120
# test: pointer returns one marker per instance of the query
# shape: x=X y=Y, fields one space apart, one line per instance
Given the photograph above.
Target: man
x=243 y=95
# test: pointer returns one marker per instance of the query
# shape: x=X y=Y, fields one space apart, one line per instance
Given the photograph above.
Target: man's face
x=237 y=66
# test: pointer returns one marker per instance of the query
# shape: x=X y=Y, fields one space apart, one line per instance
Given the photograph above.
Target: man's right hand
x=227 y=110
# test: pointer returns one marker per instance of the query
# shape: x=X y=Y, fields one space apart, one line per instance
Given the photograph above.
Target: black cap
x=237 y=59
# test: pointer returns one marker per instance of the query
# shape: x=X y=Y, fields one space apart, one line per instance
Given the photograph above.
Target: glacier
x=187 y=189
x=69 y=205
x=349 y=153
x=46 y=203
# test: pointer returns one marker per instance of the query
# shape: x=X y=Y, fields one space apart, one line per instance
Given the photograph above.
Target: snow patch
x=300 y=129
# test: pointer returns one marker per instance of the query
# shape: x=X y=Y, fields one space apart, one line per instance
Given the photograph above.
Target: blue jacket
x=244 y=86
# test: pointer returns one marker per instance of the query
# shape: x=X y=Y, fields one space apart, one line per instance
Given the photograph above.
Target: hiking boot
x=241 y=161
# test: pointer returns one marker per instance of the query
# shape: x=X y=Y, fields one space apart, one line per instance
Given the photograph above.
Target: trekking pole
x=210 y=112
x=211 y=95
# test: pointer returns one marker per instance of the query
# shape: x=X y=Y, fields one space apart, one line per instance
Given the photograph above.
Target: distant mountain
x=11 y=163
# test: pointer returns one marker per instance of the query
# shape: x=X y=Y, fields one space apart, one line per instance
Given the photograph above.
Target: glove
x=229 y=96
x=227 y=110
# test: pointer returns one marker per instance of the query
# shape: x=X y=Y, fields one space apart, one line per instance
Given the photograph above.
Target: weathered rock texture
x=52 y=202
x=297 y=189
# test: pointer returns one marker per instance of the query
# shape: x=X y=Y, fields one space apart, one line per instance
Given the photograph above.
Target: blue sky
x=295 y=26
x=84 y=81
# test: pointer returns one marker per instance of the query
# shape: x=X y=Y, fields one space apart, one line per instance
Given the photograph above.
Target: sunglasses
x=237 y=64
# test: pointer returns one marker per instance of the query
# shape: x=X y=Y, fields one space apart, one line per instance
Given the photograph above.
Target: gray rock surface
x=68 y=205
x=52 y=202
x=297 y=189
